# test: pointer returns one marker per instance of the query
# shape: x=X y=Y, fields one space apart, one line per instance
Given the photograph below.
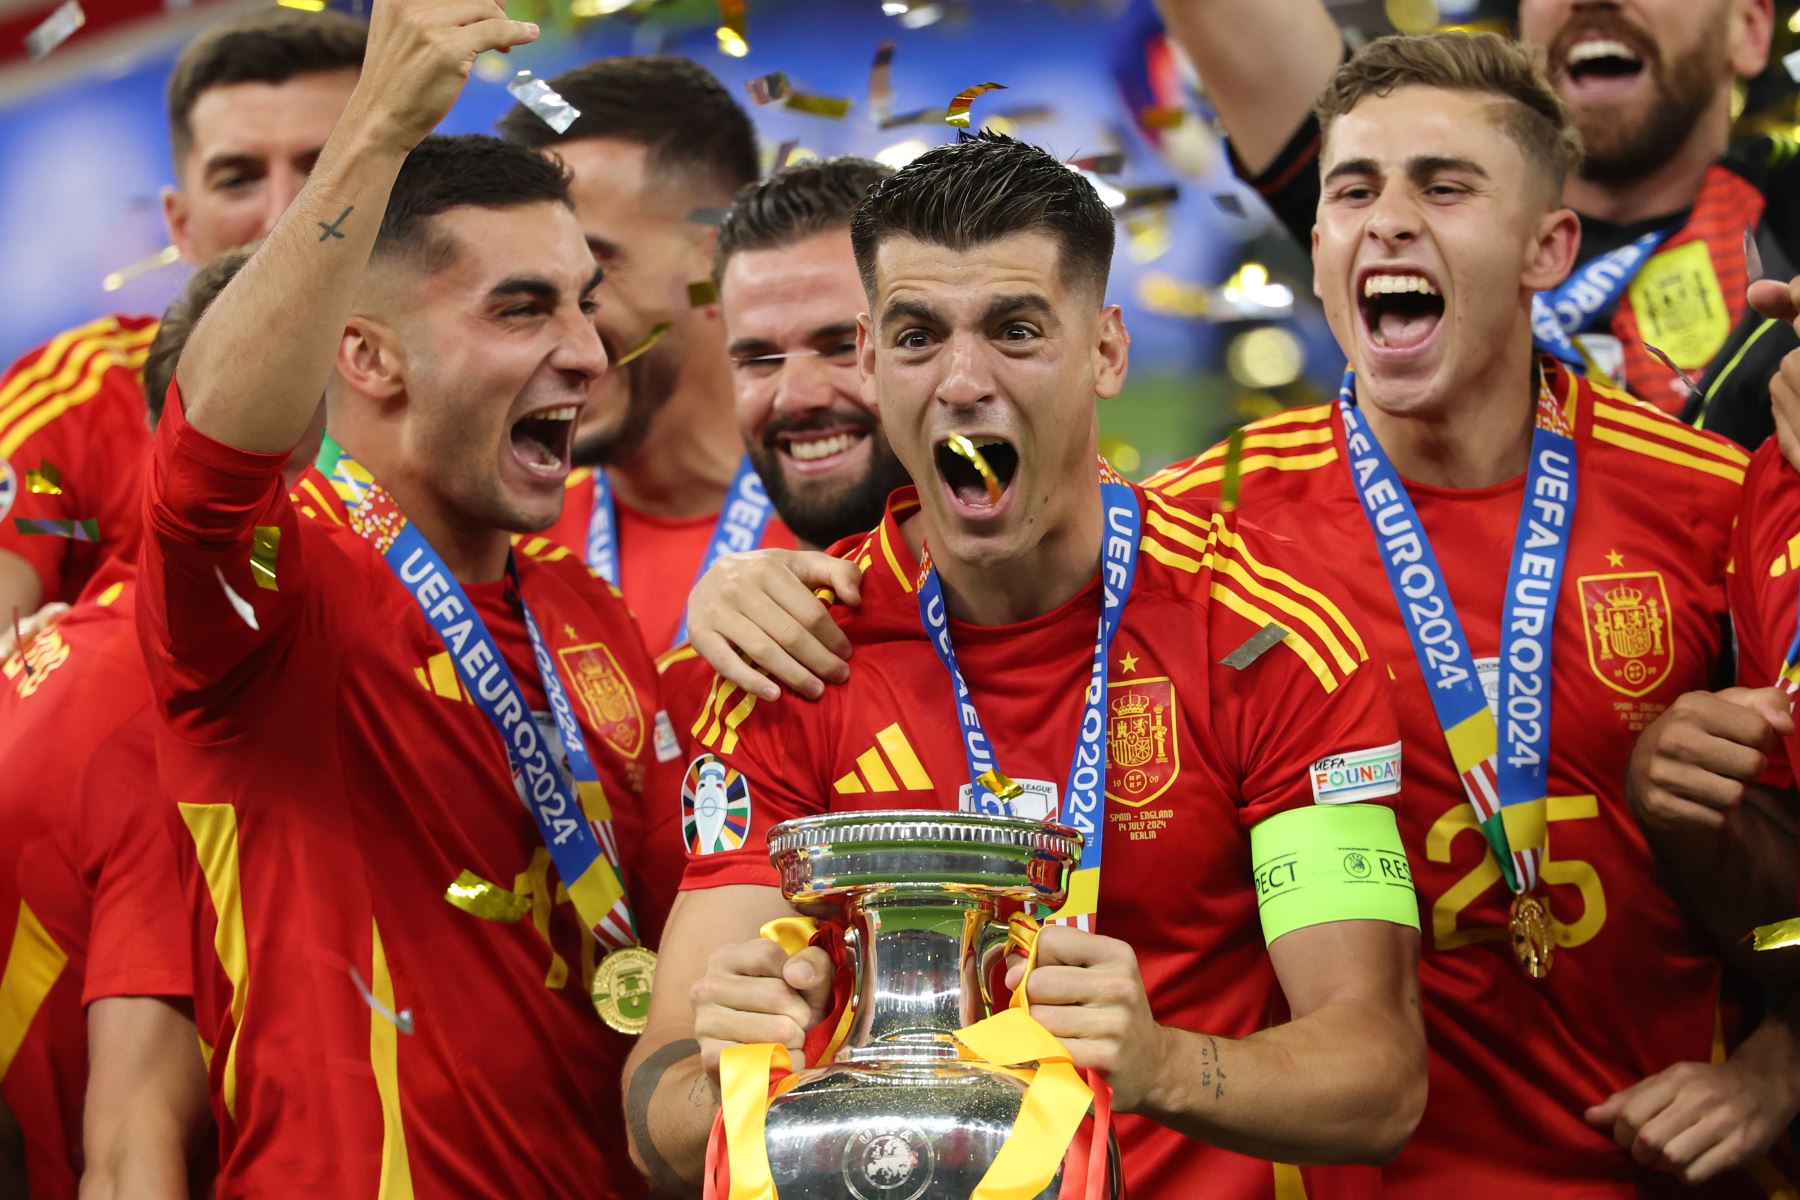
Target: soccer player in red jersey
x=663 y=485
x=1663 y=195
x=1443 y=160
x=250 y=103
x=416 y=750
x=985 y=265
x=106 y=1069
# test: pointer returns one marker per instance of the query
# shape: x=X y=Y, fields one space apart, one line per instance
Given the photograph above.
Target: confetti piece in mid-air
x=642 y=348
x=701 y=293
x=1099 y=164
x=733 y=34
x=45 y=481
x=918 y=116
x=958 y=112
x=962 y=447
x=767 y=89
x=243 y=608
x=19 y=644
x=489 y=901
x=1791 y=61
x=265 y=545
x=402 y=1020
x=784 y=153
x=303 y=5
x=1257 y=645
x=881 y=81
x=1161 y=118
x=1229 y=203
x=1778 y=936
x=997 y=782
x=544 y=101
x=835 y=107
x=85 y=529
x=1688 y=386
x=1752 y=257
x=55 y=29
x=166 y=257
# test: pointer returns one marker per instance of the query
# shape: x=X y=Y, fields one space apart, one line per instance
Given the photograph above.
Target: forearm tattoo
x=333 y=230
x=1212 y=1071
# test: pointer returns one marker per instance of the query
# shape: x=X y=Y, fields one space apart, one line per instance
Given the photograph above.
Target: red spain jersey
x=72 y=417
x=659 y=557
x=367 y=1037
x=1634 y=986
x=1764 y=584
x=88 y=891
x=1198 y=753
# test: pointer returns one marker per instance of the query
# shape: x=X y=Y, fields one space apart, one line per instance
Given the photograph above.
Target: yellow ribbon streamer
x=1778 y=936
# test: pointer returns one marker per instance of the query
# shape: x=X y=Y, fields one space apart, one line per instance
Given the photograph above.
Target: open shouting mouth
x=976 y=494
x=1601 y=64
x=1401 y=307
x=543 y=440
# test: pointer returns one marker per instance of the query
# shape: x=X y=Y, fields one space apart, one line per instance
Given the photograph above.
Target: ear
x=176 y=216
x=1112 y=350
x=1752 y=27
x=1551 y=255
x=370 y=359
x=865 y=359
x=1317 y=294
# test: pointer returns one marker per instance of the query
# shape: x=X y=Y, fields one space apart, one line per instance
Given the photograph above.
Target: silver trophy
x=898 y=1114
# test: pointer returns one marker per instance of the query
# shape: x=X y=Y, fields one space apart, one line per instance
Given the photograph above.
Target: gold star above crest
x=1129 y=663
x=570 y=630
x=1614 y=559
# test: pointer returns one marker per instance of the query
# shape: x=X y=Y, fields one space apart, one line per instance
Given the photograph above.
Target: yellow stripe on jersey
x=1667 y=428
x=715 y=696
x=33 y=966
x=675 y=654
x=48 y=407
x=1289 y=1183
x=887 y=550
x=82 y=339
x=1247 y=465
x=719 y=725
x=576 y=478
x=1224 y=594
x=1666 y=453
x=312 y=489
x=1284 y=439
x=384 y=1057
x=214 y=830
x=1345 y=631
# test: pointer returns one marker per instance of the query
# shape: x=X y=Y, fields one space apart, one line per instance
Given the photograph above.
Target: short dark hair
x=470 y=170
x=268 y=47
x=793 y=204
x=178 y=321
x=979 y=189
x=683 y=117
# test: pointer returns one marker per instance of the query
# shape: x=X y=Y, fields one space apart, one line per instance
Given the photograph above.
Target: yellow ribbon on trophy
x=1056 y=1097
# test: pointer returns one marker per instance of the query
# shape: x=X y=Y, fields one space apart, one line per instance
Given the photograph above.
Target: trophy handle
x=990 y=948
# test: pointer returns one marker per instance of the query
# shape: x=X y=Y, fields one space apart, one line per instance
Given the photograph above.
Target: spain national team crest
x=1143 y=755
x=1630 y=642
x=611 y=704
x=715 y=807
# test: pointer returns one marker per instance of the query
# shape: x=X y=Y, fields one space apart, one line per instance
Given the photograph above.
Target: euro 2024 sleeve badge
x=715 y=807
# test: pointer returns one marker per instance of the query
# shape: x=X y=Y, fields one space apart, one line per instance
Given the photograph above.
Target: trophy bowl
x=898 y=1113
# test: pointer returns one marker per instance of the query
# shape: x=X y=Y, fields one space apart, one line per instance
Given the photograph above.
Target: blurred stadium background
x=1218 y=302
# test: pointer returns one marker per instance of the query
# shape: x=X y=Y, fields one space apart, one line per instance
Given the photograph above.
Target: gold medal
x=1532 y=940
x=622 y=988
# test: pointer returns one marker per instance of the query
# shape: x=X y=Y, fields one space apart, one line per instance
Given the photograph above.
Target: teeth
x=1588 y=51
x=982 y=443
x=1376 y=285
x=557 y=414
x=821 y=447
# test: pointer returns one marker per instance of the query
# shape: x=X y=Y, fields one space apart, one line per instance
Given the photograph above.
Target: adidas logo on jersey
x=890 y=765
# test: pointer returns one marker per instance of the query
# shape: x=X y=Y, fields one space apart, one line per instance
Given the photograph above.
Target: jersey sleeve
x=72 y=428
x=212 y=626
x=1290 y=184
x=1763 y=584
x=137 y=932
x=755 y=764
x=1308 y=719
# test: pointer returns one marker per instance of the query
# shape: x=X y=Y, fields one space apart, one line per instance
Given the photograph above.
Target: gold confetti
x=1234 y=470
x=303 y=5
x=881 y=81
x=489 y=901
x=964 y=448
x=166 y=257
x=45 y=481
x=1161 y=118
x=918 y=116
x=835 y=107
x=733 y=34
x=265 y=544
x=958 y=113
x=1778 y=936
x=1255 y=646
x=1412 y=16
x=701 y=293
x=997 y=782
x=642 y=348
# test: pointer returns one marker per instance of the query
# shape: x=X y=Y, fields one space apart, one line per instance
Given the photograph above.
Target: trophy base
x=915 y=1131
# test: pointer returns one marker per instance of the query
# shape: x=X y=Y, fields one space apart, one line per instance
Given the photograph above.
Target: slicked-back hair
x=1531 y=112
x=178 y=321
x=268 y=47
x=793 y=204
x=982 y=188
x=687 y=122
x=470 y=170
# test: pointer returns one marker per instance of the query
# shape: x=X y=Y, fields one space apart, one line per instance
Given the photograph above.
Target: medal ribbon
x=585 y=851
x=1504 y=779
x=1084 y=788
x=1569 y=308
x=740 y=527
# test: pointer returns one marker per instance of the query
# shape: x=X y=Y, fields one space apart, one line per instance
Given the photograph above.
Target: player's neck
x=686 y=464
x=472 y=553
x=1672 y=186
x=1064 y=560
x=1479 y=438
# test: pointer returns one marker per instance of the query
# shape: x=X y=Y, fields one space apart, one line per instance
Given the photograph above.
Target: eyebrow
x=760 y=347
x=1016 y=305
x=599 y=247
x=537 y=288
x=1419 y=167
x=916 y=310
x=237 y=161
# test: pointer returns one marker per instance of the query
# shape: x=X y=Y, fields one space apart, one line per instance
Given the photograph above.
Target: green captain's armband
x=1331 y=862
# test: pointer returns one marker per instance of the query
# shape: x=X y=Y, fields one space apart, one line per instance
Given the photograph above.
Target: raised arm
x=1263 y=64
x=254 y=369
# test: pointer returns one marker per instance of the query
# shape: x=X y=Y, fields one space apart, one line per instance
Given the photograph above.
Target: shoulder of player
x=1288 y=443
x=1238 y=579
x=1768 y=530
x=1662 y=451
x=541 y=557
x=79 y=370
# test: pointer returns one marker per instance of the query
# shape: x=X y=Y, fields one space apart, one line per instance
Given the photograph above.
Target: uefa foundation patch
x=715 y=807
x=1357 y=776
